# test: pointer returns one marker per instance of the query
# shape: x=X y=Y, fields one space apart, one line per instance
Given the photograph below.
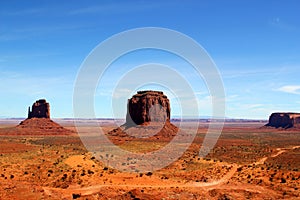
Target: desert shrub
x=283 y=180
x=64 y=186
x=149 y=174
x=64 y=177
x=75 y=196
x=270 y=179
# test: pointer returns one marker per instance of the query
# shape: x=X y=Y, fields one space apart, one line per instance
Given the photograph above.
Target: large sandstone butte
x=148 y=106
x=39 y=122
x=148 y=117
x=284 y=120
x=40 y=109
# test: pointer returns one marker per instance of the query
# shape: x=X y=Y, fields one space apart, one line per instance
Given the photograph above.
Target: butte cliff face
x=39 y=122
x=148 y=117
x=148 y=106
x=40 y=109
x=284 y=120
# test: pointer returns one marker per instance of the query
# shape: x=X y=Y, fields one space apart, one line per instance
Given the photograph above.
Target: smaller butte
x=39 y=122
x=284 y=120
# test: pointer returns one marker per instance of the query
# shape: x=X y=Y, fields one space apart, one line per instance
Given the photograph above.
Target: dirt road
x=220 y=183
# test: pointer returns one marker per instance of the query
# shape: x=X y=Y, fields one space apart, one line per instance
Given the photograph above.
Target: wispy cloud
x=35 y=32
x=292 y=89
x=280 y=23
x=232 y=98
x=122 y=93
x=31 y=11
x=21 y=84
x=244 y=72
x=113 y=8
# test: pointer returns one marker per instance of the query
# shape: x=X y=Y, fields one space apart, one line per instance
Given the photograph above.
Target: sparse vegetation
x=61 y=162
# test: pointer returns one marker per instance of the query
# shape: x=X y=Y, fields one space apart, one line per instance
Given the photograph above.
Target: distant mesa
x=284 y=120
x=148 y=106
x=39 y=122
x=40 y=109
x=148 y=116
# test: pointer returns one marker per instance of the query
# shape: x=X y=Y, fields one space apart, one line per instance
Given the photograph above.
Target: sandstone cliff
x=284 y=120
x=39 y=122
x=148 y=106
x=148 y=117
x=40 y=109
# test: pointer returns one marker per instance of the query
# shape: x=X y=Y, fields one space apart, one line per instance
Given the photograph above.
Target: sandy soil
x=247 y=163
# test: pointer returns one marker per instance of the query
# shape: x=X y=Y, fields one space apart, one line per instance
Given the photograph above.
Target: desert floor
x=248 y=162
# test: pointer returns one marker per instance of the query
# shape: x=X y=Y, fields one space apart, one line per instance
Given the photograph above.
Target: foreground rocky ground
x=247 y=163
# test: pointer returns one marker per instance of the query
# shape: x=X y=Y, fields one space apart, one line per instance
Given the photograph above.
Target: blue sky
x=255 y=45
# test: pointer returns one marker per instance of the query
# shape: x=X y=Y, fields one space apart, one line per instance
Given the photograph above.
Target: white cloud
x=253 y=106
x=292 y=89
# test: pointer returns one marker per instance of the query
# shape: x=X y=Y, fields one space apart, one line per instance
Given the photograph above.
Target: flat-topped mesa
x=284 y=120
x=40 y=109
x=148 y=106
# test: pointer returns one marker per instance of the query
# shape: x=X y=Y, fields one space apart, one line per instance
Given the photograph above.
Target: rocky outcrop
x=148 y=106
x=39 y=122
x=40 y=109
x=284 y=120
x=148 y=117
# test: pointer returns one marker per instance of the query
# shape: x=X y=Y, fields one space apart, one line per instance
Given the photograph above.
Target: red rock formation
x=148 y=106
x=148 y=117
x=39 y=122
x=40 y=109
x=284 y=120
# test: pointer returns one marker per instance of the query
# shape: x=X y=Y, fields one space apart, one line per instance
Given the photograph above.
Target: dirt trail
x=280 y=151
x=84 y=191
x=223 y=180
